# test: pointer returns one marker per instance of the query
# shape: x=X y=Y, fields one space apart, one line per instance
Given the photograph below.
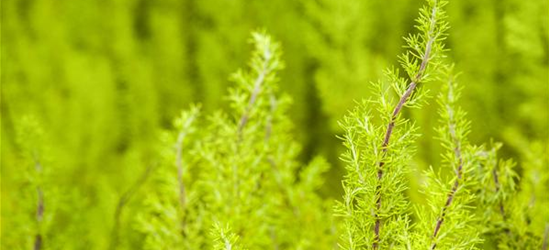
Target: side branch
x=39 y=206
x=122 y=201
x=545 y=237
x=269 y=123
x=497 y=184
x=255 y=93
x=403 y=99
x=498 y=188
x=459 y=170
x=39 y=216
x=179 y=160
x=449 y=200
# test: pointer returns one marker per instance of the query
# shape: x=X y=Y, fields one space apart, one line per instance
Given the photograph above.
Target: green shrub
x=235 y=178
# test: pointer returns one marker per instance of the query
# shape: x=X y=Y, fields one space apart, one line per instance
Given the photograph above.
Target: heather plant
x=374 y=208
x=507 y=213
x=101 y=164
x=448 y=219
x=163 y=216
x=38 y=197
x=237 y=177
x=35 y=189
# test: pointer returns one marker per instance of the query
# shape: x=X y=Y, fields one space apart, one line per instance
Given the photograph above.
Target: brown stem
x=501 y=207
x=122 y=201
x=403 y=99
x=449 y=200
x=457 y=153
x=37 y=242
x=39 y=205
x=39 y=217
x=498 y=188
x=255 y=93
x=545 y=237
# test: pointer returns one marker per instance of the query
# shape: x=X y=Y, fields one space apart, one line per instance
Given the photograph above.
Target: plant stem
x=269 y=123
x=258 y=83
x=545 y=237
x=403 y=99
x=179 y=160
x=122 y=201
x=498 y=187
x=457 y=153
x=500 y=205
x=37 y=242
x=39 y=205
x=255 y=93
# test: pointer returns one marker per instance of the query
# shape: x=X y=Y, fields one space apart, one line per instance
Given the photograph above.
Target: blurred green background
x=103 y=77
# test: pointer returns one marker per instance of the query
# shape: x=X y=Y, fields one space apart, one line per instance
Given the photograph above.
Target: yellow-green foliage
x=237 y=171
x=92 y=157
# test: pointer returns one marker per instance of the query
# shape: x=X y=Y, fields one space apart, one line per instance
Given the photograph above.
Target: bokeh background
x=103 y=76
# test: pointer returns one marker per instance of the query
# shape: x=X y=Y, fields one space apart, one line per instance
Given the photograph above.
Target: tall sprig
x=264 y=64
x=453 y=136
x=237 y=151
x=169 y=216
x=34 y=182
x=448 y=220
x=369 y=145
x=424 y=50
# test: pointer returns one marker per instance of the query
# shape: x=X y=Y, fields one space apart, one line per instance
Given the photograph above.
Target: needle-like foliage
x=224 y=238
x=39 y=200
x=249 y=163
x=448 y=221
x=235 y=153
x=239 y=171
x=379 y=142
x=235 y=178
x=34 y=182
x=165 y=215
x=505 y=213
x=534 y=198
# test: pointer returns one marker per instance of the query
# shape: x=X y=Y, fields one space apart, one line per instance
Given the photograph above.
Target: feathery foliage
x=448 y=220
x=224 y=239
x=374 y=208
x=238 y=170
x=505 y=213
x=35 y=190
x=99 y=163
